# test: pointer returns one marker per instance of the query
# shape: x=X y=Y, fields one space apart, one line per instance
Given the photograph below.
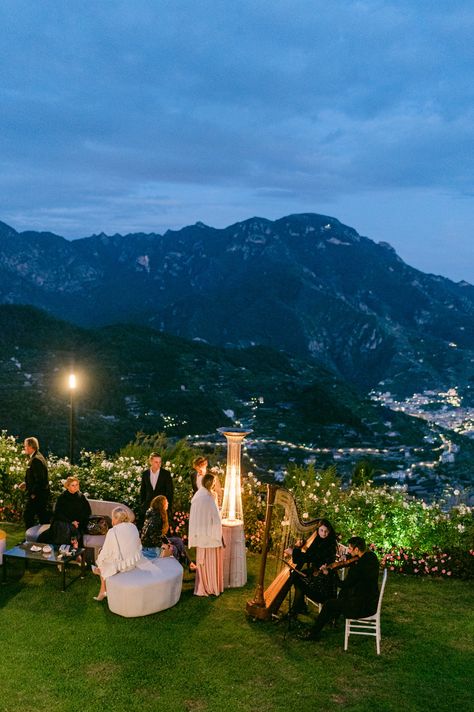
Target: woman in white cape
x=205 y=533
x=122 y=550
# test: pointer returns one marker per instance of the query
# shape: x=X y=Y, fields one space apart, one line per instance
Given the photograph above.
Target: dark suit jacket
x=360 y=590
x=163 y=486
x=36 y=478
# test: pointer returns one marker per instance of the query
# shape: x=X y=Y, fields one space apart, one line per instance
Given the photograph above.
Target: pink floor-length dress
x=209 y=572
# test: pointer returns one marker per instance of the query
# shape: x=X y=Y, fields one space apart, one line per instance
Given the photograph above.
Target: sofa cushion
x=104 y=507
x=33 y=533
x=100 y=507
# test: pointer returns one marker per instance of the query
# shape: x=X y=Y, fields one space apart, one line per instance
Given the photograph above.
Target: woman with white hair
x=122 y=550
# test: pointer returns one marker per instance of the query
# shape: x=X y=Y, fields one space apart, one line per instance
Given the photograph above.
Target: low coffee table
x=53 y=558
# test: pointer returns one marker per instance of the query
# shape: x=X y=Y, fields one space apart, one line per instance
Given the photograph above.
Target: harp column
x=235 y=562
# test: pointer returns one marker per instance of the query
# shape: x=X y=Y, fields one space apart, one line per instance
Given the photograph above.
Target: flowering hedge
x=409 y=535
x=446 y=564
x=12 y=470
x=117 y=479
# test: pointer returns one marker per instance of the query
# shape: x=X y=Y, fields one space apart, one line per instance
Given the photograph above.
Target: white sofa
x=99 y=507
x=140 y=592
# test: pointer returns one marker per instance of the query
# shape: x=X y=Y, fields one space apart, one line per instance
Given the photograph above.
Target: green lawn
x=64 y=651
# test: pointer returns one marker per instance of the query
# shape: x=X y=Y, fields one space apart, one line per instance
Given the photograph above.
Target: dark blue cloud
x=121 y=116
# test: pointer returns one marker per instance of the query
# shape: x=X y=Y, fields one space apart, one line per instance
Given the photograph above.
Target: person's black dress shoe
x=297 y=610
x=309 y=635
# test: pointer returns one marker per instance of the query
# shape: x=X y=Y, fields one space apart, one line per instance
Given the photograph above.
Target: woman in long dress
x=205 y=533
x=122 y=550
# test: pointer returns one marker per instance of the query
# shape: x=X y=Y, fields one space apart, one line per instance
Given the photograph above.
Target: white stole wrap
x=205 y=528
x=122 y=550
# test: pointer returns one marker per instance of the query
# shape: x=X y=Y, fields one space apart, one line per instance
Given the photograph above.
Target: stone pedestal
x=235 y=559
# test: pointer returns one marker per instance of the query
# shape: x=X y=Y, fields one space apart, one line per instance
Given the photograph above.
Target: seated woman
x=319 y=586
x=71 y=514
x=205 y=533
x=154 y=534
x=122 y=550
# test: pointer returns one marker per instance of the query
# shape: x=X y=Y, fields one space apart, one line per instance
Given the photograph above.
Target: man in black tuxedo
x=359 y=591
x=155 y=480
x=36 y=486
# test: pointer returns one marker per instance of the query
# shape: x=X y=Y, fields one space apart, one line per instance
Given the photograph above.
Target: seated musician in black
x=321 y=551
x=359 y=591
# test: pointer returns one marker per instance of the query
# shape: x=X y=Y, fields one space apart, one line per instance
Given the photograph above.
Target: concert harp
x=266 y=602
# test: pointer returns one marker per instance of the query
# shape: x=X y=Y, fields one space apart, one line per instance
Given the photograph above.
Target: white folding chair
x=313 y=603
x=369 y=625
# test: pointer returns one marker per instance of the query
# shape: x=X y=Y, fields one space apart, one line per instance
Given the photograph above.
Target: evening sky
x=153 y=114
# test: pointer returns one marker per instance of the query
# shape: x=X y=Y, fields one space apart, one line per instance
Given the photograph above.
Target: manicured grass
x=63 y=651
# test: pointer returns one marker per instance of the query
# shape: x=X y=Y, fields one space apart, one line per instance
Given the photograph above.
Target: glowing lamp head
x=72 y=381
x=232 y=502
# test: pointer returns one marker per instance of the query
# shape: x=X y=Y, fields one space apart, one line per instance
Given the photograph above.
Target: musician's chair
x=369 y=625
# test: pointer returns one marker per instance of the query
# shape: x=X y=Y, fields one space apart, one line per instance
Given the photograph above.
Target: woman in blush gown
x=205 y=533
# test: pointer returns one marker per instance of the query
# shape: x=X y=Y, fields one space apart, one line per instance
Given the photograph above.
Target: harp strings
x=284 y=535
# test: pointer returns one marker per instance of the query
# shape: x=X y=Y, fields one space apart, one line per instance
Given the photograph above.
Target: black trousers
x=37 y=507
x=333 y=608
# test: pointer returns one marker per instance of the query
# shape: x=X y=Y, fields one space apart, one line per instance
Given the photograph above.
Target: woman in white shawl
x=122 y=550
x=205 y=533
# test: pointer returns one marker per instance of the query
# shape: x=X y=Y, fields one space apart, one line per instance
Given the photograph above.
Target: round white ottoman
x=141 y=591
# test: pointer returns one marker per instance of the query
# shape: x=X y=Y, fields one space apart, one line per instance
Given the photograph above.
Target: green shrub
x=409 y=535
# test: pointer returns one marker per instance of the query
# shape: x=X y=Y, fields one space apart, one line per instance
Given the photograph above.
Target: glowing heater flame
x=232 y=502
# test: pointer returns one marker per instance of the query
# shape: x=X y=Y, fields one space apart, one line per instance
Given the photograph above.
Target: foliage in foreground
x=409 y=535
x=204 y=655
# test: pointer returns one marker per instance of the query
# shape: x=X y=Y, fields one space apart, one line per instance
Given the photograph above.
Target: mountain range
x=305 y=285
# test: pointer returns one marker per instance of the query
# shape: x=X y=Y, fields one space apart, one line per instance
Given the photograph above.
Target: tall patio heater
x=235 y=562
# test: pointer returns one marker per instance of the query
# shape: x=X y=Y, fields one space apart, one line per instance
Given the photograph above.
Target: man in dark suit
x=359 y=591
x=36 y=486
x=155 y=480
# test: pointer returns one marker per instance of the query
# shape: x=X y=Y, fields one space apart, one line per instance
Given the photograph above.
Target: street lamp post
x=72 y=387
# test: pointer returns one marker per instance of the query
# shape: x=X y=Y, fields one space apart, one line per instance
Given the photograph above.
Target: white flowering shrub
x=254 y=506
x=401 y=528
x=116 y=479
x=408 y=534
x=12 y=470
